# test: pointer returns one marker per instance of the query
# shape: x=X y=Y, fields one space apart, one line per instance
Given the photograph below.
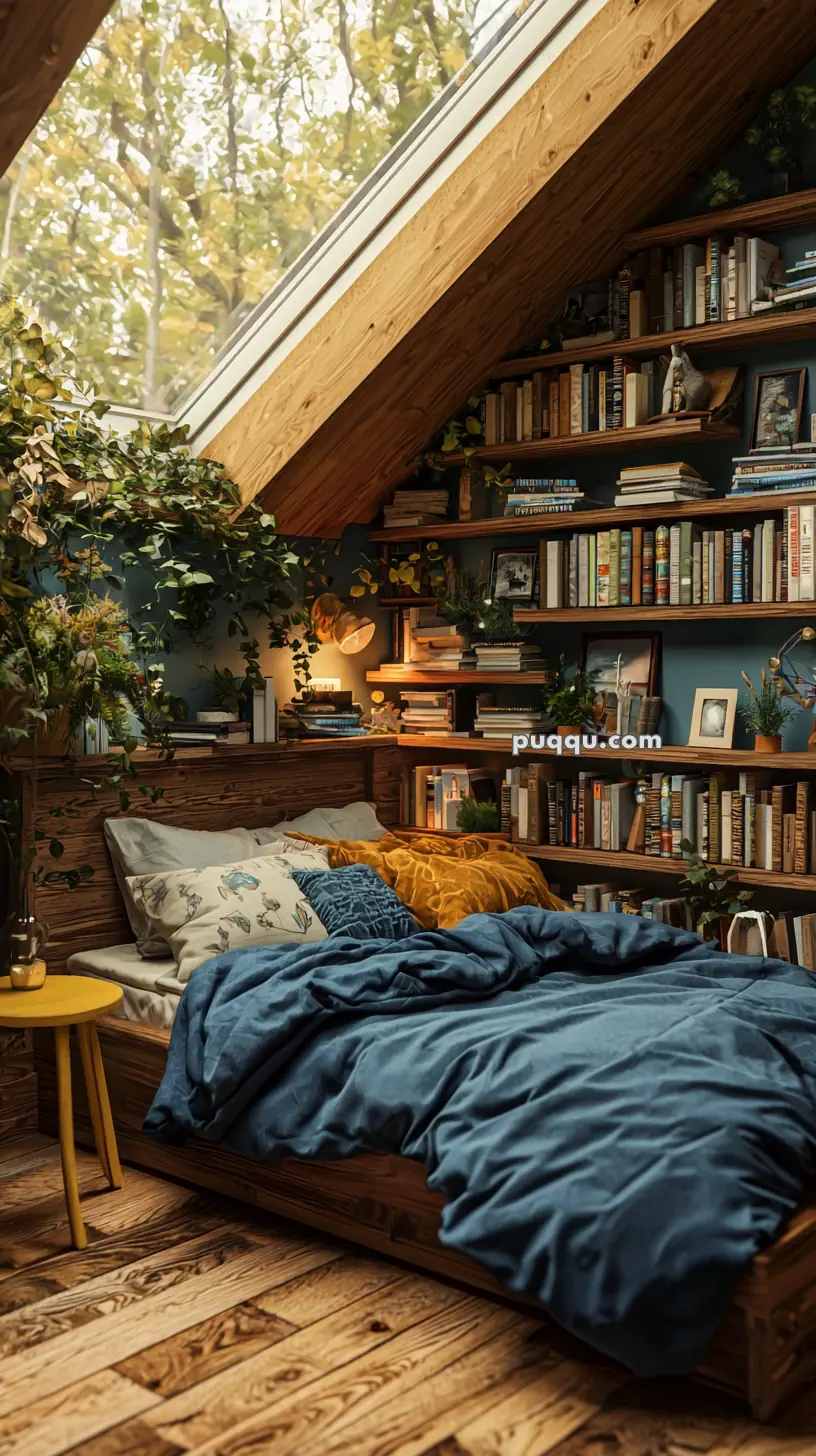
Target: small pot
x=763 y=743
x=562 y=731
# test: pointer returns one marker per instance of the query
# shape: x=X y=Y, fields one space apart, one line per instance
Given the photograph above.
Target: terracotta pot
x=765 y=744
x=570 y=728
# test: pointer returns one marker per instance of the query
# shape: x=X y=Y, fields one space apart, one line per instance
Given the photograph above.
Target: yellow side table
x=63 y=1002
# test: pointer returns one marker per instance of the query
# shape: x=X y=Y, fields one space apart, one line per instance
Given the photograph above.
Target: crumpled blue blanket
x=619 y=1115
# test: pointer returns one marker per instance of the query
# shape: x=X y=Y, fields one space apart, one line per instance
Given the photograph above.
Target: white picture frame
x=713 y=718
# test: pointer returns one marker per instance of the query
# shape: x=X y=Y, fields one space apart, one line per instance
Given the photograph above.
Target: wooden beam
x=545 y=200
x=40 y=42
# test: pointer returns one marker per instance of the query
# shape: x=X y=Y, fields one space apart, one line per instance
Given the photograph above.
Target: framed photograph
x=778 y=401
x=636 y=654
x=513 y=575
x=712 y=721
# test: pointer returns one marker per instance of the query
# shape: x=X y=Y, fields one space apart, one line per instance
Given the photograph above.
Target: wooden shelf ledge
x=765 y=331
x=733 y=758
x=644 y=864
x=494 y=527
x=730 y=611
x=797 y=209
x=683 y=432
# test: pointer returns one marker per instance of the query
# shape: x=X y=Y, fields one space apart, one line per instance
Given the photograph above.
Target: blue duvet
x=619 y=1116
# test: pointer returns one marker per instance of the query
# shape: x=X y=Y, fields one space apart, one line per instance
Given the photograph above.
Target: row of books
x=738 y=823
x=576 y=400
x=416 y=507
x=778 y=469
x=790 y=937
x=431 y=794
x=682 y=565
x=448 y=711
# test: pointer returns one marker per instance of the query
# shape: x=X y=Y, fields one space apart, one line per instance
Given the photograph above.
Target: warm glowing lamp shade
x=335 y=622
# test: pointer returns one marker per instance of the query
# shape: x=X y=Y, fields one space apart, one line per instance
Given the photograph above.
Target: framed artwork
x=637 y=654
x=513 y=575
x=712 y=720
x=778 y=400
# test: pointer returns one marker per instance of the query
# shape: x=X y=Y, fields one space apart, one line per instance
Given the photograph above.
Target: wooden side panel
x=40 y=41
x=248 y=787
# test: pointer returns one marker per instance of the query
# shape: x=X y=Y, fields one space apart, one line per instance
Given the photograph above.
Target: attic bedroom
x=407 y=684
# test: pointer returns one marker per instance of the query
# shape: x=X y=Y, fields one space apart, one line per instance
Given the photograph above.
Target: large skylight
x=195 y=151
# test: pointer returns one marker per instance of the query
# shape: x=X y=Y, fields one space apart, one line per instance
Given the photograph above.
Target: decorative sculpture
x=685 y=388
x=798 y=676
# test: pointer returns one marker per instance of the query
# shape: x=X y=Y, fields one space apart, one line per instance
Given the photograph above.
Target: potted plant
x=476 y=816
x=460 y=599
x=227 y=693
x=571 y=701
x=764 y=713
x=777 y=133
x=709 y=892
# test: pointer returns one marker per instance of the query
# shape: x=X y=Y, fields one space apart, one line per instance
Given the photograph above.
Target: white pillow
x=204 y=912
x=353 y=821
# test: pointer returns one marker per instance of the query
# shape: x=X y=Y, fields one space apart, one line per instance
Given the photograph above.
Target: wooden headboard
x=203 y=788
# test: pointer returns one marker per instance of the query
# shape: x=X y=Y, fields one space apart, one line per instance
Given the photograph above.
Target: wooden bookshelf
x=644 y=864
x=487 y=679
x=683 y=432
x=727 y=611
x=760 y=504
x=765 y=331
x=731 y=758
x=797 y=209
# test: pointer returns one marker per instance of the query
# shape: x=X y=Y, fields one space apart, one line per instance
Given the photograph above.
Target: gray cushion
x=145 y=846
x=353 y=821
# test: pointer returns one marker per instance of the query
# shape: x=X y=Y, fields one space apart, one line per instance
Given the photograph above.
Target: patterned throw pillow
x=204 y=912
x=354 y=901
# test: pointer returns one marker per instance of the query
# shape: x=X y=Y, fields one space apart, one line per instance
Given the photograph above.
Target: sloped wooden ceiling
x=643 y=98
x=40 y=42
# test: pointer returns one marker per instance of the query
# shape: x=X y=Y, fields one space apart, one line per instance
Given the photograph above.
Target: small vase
x=765 y=743
x=27 y=937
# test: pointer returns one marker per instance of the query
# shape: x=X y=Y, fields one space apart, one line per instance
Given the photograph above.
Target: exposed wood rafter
x=644 y=96
x=40 y=42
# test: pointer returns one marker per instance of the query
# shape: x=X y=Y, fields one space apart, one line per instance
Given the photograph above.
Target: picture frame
x=713 y=718
x=640 y=668
x=778 y=402
x=513 y=575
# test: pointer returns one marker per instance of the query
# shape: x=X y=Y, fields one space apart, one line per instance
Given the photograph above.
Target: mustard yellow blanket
x=443 y=880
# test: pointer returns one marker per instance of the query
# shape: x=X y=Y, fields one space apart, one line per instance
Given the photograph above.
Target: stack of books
x=442 y=648
x=326 y=715
x=433 y=713
x=416 y=508
x=512 y=656
x=533 y=497
x=777 y=468
x=800 y=289
x=647 y=485
x=214 y=735
x=492 y=722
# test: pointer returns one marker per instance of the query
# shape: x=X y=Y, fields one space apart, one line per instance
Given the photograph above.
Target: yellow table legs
x=98 y=1103
x=101 y=1119
x=62 y=1036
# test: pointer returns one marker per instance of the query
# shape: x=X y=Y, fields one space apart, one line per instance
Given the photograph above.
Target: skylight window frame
x=417 y=166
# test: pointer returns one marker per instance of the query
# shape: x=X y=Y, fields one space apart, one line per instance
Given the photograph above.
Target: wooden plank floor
x=192 y=1325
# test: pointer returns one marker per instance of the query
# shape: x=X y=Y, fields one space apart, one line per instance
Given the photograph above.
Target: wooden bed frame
x=765 y=1349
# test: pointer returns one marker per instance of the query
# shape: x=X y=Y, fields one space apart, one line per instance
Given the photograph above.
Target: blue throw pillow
x=354 y=901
